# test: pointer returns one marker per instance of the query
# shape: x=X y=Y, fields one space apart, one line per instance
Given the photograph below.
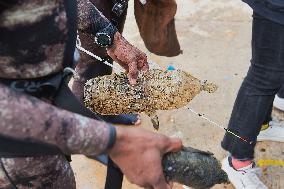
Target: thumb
x=162 y=184
x=174 y=145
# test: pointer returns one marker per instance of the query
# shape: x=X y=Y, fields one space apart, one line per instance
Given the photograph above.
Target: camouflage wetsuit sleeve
x=28 y=118
x=90 y=19
x=27 y=51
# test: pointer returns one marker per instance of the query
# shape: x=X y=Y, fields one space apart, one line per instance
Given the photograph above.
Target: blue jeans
x=255 y=97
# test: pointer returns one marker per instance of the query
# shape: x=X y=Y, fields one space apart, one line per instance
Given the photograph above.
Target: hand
x=128 y=56
x=138 y=153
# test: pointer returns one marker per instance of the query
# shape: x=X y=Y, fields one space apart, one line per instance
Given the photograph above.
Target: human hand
x=128 y=56
x=138 y=153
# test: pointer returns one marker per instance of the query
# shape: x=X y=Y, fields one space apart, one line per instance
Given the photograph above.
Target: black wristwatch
x=104 y=38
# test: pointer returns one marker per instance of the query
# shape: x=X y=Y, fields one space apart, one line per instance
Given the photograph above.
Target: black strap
x=71 y=13
x=114 y=177
x=11 y=148
x=65 y=99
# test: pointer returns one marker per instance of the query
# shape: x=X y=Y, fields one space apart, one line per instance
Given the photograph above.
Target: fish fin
x=154 y=119
x=193 y=150
x=209 y=87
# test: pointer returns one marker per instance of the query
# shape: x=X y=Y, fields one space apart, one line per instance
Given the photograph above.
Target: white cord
x=79 y=47
x=218 y=125
x=206 y=118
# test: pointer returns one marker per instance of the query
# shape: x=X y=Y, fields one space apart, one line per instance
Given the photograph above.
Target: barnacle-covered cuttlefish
x=155 y=90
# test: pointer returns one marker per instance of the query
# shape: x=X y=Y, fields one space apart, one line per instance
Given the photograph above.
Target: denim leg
x=263 y=81
x=268 y=116
x=281 y=92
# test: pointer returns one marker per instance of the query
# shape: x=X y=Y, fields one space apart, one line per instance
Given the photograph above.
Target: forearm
x=90 y=19
x=25 y=117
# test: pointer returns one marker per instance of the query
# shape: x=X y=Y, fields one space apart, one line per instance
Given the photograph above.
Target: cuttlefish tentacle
x=208 y=87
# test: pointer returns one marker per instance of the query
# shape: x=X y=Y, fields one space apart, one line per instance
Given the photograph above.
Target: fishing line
x=218 y=125
x=79 y=47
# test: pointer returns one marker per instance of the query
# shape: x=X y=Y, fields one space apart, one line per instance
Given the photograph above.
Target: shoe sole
x=269 y=140
x=278 y=103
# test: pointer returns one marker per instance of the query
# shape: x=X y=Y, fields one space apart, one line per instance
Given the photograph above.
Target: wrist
x=120 y=137
x=116 y=40
x=112 y=137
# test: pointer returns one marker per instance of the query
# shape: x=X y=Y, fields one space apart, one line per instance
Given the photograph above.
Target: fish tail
x=209 y=87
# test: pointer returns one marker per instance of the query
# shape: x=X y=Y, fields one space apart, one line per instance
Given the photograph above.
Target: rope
x=79 y=47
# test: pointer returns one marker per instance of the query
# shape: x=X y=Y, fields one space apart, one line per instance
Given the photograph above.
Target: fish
x=154 y=90
x=193 y=168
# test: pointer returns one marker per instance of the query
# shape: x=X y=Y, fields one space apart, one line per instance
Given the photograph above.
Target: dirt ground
x=215 y=38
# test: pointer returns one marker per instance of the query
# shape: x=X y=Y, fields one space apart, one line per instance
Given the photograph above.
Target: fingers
x=148 y=187
x=171 y=184
x=145 y=67
x=173 y=145
x=143 y=63
x=133 y=73
x=162 y=184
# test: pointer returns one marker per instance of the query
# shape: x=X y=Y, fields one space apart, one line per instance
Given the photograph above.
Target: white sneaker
x=245 y=178
x=278 y=103
x=275 y=132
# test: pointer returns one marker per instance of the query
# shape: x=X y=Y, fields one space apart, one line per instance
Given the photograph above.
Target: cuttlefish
x=155 y=90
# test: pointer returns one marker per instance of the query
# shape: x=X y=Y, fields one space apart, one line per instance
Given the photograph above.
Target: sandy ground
x=215 y=38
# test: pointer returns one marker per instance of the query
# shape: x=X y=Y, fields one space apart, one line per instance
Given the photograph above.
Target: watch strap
x=110 y=30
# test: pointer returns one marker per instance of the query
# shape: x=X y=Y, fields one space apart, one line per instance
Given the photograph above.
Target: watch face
x=103 y=39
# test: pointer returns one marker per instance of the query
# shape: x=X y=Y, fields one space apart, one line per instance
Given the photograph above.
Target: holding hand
x=138 y=153
x=128 y=56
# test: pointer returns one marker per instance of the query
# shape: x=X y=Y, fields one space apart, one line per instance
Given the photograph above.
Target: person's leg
x=268 y=117
x=253 y=103
x=263 y=80
x=281 y=92
x=36 y=172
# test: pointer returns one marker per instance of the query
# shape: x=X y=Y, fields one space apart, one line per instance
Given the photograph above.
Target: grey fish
x=155 y=90
x=193 y=168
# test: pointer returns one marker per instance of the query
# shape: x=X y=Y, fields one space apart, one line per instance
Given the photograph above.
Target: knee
x=264 y=79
